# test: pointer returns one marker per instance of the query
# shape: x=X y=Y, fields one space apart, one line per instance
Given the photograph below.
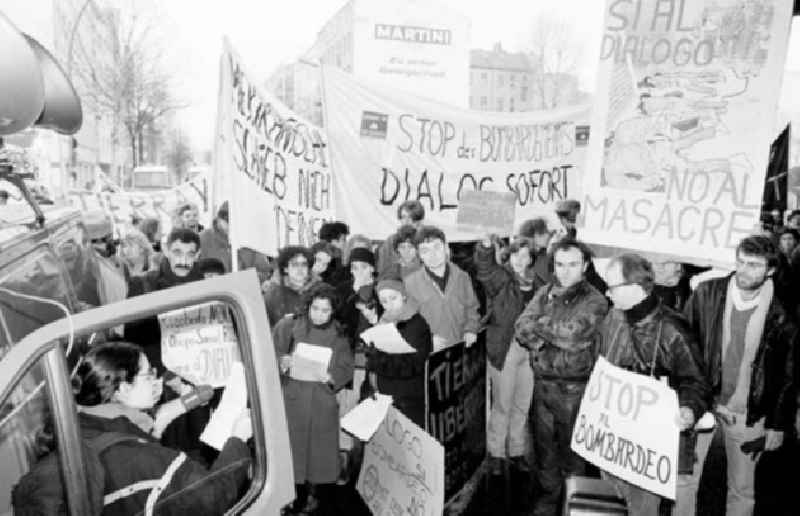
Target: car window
x=26 y=431
x=194 y=348
x=33 y=292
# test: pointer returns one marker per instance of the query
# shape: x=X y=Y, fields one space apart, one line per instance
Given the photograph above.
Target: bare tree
x=178 y=155
x=118 y=68
x=556 y=53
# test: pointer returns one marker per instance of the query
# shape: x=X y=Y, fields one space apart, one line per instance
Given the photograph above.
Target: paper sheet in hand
x=363 y=421
x=310 y=362
x=387 y=339
x=233 y=402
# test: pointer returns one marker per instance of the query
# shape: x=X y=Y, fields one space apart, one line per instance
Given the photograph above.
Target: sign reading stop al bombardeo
x=628 y=426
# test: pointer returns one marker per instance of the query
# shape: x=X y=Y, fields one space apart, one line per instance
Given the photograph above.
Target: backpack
x=40 y=491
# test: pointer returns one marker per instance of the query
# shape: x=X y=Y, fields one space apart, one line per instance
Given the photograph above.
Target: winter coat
x=651 y=334
x=772 y=387
x=215 y=244
x=312 y=411
x=402 y=376
x=451 y=313
x=349 y=315
x=561 y=331
x=212 y=491
x=505 y=299
x=281 y=300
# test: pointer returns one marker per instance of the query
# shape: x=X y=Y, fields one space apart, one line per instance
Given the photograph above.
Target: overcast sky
x=267 y=33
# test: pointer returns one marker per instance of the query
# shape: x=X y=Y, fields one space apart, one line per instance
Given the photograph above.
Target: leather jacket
x=772 y=389
x=652 y=339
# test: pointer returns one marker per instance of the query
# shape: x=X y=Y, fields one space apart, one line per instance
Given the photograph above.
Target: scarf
x=406 y=312
x=752 y=337
x=115 y=410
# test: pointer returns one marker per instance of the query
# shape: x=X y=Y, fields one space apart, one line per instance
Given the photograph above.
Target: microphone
x=200 y=395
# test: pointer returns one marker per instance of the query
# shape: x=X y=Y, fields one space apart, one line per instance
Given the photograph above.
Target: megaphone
x=62 y=108
x=34 y=90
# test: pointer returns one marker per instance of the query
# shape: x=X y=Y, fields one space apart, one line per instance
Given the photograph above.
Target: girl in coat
x=312 y=411
x=401 y=376
x=115 y=387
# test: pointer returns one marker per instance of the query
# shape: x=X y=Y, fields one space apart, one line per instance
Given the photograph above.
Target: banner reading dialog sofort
x=271 y=164
x=684 y=116
x=388 y=147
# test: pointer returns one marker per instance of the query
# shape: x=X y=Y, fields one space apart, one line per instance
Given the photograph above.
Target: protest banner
x=455 y=408
x=199 y=344
x=122 y=205
x=403 y=469
x=627 y=425
x=388 y=147
x=271 y=164
x=487 y=212
x=685 y=112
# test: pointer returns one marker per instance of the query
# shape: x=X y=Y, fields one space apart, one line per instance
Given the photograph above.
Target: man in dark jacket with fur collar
x=747 y=341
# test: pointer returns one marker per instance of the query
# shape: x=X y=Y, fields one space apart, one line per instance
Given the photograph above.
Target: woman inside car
x=115 y=389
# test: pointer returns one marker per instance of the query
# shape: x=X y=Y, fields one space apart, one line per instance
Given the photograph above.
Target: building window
x=484 y=103
x=499 y=104
x=523 y=94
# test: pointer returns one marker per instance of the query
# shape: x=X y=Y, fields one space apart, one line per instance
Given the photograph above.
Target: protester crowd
x=726 y=345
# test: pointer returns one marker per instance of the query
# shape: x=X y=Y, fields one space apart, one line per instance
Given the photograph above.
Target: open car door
x=41 y=355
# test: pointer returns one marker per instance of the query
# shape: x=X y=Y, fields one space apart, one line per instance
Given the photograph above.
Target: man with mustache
x=179 y=266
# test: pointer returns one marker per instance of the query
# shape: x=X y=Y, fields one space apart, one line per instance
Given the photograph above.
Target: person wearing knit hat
x=401 y=376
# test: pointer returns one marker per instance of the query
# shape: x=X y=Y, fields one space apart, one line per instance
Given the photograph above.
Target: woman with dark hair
x=509 y=288
x=312 y=411
x=115 y=387
x=286 y=295
x=323 y=254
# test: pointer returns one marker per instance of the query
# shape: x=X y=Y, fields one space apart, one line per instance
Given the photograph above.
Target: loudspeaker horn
x=22 y=93
x=62 y=108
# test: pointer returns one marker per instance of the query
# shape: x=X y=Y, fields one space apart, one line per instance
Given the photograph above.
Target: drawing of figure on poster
x=677 y=69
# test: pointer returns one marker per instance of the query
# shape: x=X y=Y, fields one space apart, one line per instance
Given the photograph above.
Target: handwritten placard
x=486 y=212
x=199 y=343
x=627 y=425
x=455 y=408
x=403 y=470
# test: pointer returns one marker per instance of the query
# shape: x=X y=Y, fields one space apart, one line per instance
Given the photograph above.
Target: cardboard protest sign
x=684 y=116
x=627 y=425
x=486 y=212
x=455 y=408
x=271 y=164
x=389 y=146
x=199 y=343
x=403 y=469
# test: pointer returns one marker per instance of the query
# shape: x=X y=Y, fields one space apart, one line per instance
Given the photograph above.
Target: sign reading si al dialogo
x=627 y=426
x=272 y=164
x=373 y=125
x=433 y=153
x=685 y=111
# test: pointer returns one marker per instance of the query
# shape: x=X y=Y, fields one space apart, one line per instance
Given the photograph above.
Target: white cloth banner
x=627 y=425
x=388 y=146
x=270 y=163
x=122 y=205
x=684 y=117
x=403 y=469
